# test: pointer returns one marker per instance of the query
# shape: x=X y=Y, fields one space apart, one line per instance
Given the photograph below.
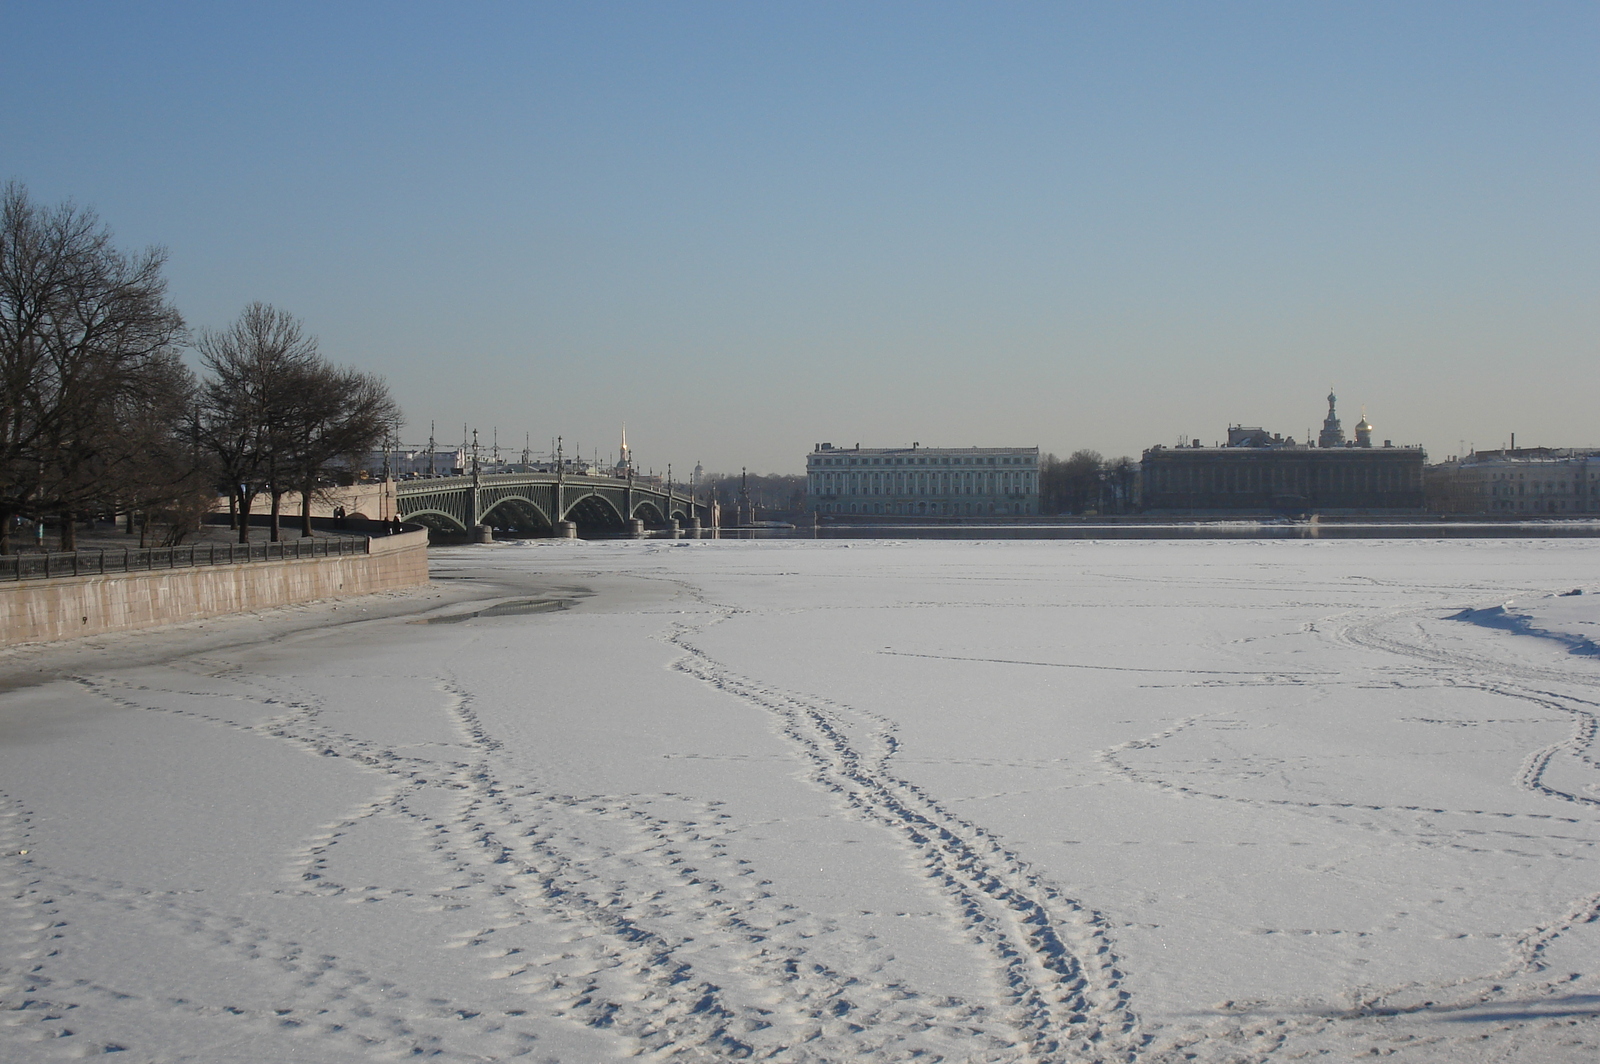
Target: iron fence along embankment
x=48 y=564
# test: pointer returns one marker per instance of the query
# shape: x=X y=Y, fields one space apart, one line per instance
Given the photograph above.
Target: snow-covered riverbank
x=819 y=801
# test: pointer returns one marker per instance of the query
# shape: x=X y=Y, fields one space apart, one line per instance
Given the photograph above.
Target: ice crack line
x=1105 y=668
x=1054 y=956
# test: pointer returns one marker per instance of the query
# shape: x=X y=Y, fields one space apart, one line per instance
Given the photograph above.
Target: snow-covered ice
x=825 y=801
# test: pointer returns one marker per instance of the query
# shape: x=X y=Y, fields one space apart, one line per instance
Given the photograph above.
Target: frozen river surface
x=827 y=801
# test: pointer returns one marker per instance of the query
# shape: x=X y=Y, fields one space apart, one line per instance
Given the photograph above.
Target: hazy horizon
x=742 y=230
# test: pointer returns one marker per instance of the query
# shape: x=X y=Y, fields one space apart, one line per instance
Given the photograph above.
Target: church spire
x=1331 y=435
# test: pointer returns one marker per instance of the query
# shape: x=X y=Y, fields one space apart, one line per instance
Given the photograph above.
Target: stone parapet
x=65 y=608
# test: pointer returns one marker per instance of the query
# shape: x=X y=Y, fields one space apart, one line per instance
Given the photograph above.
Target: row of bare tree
x=1086 y=482
x=274 y=415
x=99 y=414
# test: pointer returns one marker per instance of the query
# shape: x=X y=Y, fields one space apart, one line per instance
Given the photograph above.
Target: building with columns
x=1263 y=472
x=919 y=481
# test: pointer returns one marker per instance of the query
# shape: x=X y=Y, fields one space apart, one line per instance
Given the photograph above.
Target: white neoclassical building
x=1528 y=480
x=919 y=481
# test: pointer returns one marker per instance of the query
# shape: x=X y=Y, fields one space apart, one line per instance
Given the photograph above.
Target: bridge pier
x=482 y=534
x=636 y=528
x=566 y=530
x=672 y=529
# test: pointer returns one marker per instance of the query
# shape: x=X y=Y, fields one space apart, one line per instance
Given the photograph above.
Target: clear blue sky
x=743 y=228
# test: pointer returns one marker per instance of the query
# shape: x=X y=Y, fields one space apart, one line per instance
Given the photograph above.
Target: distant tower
x=699 y=472
x=1331 y=435
x=624 y=459
x=1363 y=431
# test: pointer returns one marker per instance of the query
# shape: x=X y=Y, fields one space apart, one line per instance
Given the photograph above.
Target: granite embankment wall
x=66 y=607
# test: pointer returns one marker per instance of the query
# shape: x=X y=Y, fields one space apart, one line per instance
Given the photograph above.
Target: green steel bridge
x=540 y=502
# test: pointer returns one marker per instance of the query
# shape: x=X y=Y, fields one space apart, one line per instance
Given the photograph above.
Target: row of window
x=928 y=509
x=934 y=460
x=1550 y=487
x=1255 y=478
x=1547 y=505
x=1015 y=482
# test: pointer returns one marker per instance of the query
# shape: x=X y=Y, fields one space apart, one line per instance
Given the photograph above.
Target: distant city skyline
x=743 y=229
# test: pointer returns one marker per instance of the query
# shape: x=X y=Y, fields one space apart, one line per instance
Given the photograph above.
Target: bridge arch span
x=595 y=513
x=520 y=512
x=648 y=512
x=437 y=519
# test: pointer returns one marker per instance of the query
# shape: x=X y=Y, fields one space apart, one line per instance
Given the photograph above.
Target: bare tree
x=1118 y=485
x=164 y=475
x=1070 y=485
x=255 y=365
x=86 y=334
x=134 y=450
x=344 y=415
x=275 y=413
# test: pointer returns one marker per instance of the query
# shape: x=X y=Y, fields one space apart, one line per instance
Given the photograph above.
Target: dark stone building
x=1260 y=472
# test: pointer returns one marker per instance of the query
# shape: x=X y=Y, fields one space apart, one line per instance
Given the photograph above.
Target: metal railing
x=49 y=564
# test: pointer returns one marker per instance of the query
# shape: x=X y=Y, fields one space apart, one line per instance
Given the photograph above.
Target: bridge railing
x=50 y=564
x=424 y=485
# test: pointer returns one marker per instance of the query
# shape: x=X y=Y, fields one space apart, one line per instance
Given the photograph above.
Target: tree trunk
x=7 y=519
x=246 y=500
x=69 y=531
x=277 y=515
x=305 y=509
x=130 y=523
x=144 y=529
